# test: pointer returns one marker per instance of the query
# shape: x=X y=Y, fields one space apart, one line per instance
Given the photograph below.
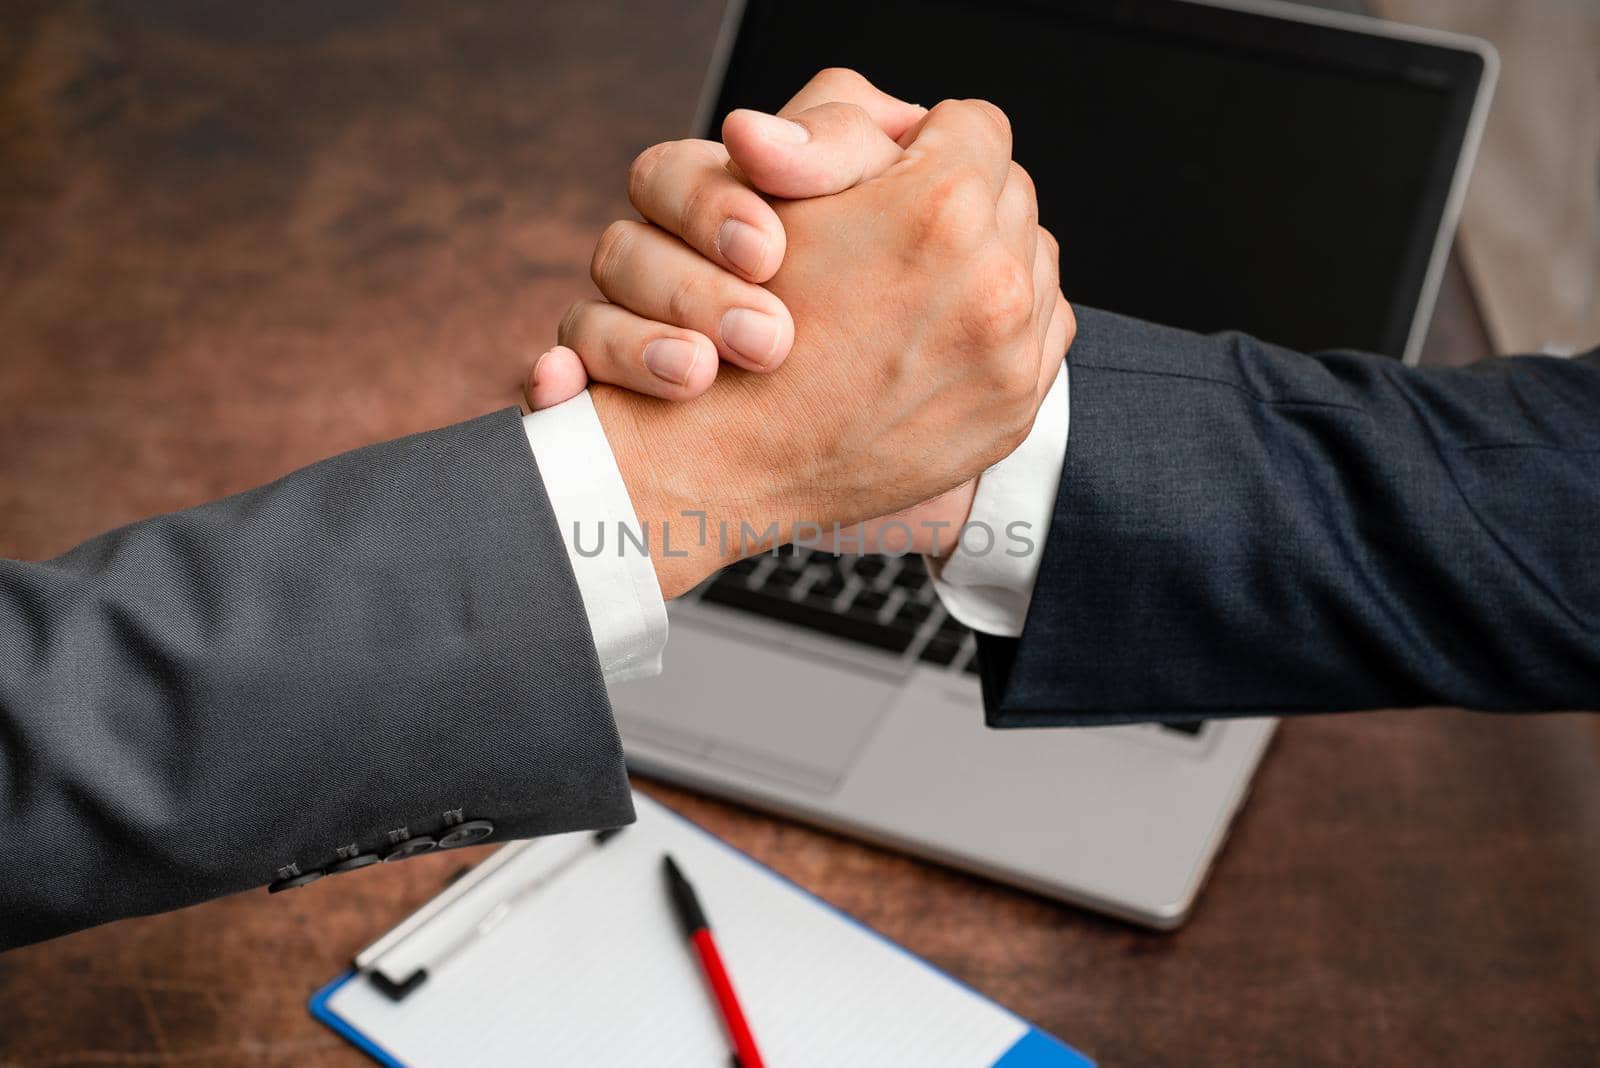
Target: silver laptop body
x=893 y=749
x=840 y=693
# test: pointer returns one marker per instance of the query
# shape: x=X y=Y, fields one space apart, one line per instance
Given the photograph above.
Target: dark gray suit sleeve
x=1243 y=530
x=370 y=650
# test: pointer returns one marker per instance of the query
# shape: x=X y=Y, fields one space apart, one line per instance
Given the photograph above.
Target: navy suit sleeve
x=1244 y=530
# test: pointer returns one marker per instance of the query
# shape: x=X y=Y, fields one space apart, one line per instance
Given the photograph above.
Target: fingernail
x=670 y=359
x=783 y=130
x=752 y=334
x=533 y=379
x=742 y=245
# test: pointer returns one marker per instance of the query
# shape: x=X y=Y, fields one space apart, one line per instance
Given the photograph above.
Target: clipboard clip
x=370 y=962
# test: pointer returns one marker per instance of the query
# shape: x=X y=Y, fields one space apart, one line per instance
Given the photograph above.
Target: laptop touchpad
x=753 y=707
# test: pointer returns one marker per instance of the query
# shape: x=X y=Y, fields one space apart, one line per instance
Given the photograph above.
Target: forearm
x=380 y=643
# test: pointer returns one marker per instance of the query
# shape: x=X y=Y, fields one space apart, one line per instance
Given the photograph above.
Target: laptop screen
x=1203 y=167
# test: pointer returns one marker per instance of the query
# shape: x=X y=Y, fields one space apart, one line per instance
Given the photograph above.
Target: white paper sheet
x=594 y=971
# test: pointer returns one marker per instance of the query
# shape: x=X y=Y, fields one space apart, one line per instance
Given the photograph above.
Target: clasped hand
x=862 y=341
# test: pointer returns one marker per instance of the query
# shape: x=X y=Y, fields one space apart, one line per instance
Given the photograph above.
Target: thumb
x=812 y=153
x=557 y=376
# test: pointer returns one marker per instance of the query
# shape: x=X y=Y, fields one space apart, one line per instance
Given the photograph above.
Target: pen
x=693 y=920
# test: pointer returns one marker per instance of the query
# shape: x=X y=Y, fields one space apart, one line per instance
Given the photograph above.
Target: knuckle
x=1051 y=246
x=1009 y=434
x=956 y=212
x=572 y=322
x=700 y=150
x=991 y=114
x=1021 y=428
x=686 y=301
x=851 y=126
x=1025 y=185
x=837 y=80
x=857 y=123
x=1022 y=384
x=611 y=251
x=1015 y=391
x=964 y=114
x=702 y=210
x=1002 y=297
x=1047 y=262
x=944 y=111
x=643 y=169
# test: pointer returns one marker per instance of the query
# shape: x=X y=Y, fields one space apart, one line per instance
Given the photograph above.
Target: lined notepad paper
x=594 y=971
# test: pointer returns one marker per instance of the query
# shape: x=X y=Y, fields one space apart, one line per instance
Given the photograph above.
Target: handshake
x=828 y=326
x=889 y=321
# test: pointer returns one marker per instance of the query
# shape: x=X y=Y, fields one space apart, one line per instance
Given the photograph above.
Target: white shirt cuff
x=620 y=593
x=987 y=581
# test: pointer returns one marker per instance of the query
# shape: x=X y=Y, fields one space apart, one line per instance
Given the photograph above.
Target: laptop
x=1291 y=172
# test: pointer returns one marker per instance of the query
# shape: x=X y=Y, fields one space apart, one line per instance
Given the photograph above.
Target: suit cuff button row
x=411 y=847
x=462 y=834
x=294 y=882
x=465 y=834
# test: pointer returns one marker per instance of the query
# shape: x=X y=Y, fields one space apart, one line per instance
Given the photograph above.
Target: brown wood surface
x=235 y=238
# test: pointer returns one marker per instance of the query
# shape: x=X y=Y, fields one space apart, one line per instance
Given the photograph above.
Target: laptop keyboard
x=882 y=601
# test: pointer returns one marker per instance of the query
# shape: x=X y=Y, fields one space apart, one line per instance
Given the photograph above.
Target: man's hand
x=692 y=191
x=922 y=298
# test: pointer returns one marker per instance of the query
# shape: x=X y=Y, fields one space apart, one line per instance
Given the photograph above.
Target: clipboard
x=586 y=966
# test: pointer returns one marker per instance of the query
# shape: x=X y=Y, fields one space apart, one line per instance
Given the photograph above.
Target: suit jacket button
x=294 y=882
x=466 y=833
x=410 y=847
x=352 y=863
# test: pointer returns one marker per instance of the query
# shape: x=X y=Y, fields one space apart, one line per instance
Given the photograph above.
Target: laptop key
x=911 y=578
x=912 y=613
x=868 y=602
x=830 y=586
x=780 y=582
x=869 y=566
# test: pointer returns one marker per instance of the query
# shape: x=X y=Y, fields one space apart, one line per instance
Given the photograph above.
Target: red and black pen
x=693 y=918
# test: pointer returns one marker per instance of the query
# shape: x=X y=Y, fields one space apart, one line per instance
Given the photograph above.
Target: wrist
x=938 y=531
x=679 y=494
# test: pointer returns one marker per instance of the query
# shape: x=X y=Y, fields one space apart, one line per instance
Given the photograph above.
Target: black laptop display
x=1203 y=167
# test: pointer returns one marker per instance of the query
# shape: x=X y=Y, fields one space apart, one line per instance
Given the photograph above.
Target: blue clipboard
x=1033 y=1049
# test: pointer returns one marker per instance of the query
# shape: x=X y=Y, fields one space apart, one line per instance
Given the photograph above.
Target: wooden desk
x=237 y=238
